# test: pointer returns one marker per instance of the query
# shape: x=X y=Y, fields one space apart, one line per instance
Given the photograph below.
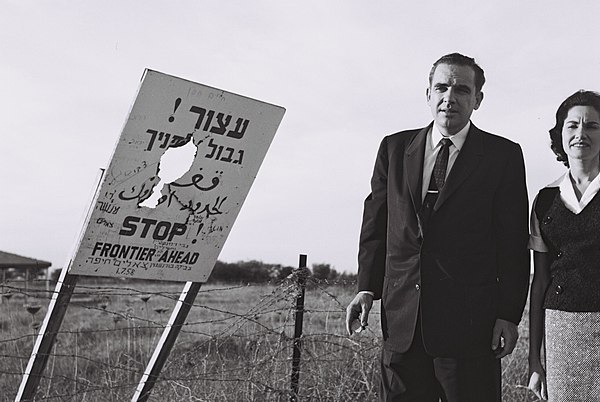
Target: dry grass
x=236 y=346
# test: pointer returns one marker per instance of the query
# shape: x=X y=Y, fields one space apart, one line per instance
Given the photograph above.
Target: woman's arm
x=541 y=280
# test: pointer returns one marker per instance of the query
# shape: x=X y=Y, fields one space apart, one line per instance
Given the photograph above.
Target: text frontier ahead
x=182 y=168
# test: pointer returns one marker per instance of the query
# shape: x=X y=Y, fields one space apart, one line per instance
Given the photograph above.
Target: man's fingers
x=364 y=317
x=496 y=337
x=352 y=313
x=504 y=337
x=510 y=335
x=358 y=310
x=348 y=325
x=507 y=344
x=502 y=352
x=364 y=314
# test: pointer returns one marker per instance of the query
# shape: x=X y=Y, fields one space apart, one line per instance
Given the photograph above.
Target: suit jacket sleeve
x=511 y=221
x=373 y=236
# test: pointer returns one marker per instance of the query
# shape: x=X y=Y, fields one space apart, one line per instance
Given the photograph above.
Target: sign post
x=182 y=168
x=166 y=342
x=47 y=335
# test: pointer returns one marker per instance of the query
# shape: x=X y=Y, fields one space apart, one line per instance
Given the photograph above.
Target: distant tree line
x=259 y=272
x=249 y=272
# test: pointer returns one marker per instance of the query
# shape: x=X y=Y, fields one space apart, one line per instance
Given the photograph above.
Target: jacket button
x=559 y=254
x=547 y=220
x=558 y=290
x=418 y=287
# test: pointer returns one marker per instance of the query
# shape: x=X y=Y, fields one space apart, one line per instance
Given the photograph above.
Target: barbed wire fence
x=236 y=344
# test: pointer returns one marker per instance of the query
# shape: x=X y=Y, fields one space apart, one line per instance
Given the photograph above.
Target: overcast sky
x=348 y=72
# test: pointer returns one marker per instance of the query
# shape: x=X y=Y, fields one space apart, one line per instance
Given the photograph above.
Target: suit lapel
x=468 y=158
x=413 y=166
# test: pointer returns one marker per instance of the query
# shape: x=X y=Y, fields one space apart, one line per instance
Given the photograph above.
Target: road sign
x=181 y=170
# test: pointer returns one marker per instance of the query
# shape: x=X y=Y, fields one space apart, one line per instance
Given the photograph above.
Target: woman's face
x=581 y=133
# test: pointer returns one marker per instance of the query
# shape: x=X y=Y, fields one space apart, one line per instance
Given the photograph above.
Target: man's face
x=452 y=97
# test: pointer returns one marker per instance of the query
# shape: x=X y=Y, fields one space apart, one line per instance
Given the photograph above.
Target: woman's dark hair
x=579 y=98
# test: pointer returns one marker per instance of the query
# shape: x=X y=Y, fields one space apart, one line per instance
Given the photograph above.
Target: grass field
x=236 y=346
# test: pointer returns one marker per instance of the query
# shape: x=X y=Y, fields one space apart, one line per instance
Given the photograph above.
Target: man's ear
x=427 y=94
x=478 y=100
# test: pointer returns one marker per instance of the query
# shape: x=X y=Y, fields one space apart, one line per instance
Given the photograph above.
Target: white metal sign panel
x=181 y=170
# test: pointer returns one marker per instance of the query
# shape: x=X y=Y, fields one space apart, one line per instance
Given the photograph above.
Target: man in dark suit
x=443 y=244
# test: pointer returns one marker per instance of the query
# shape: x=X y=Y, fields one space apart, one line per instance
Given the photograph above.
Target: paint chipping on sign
x=174 y=163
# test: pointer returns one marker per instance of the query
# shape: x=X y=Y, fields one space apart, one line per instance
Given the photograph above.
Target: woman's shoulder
x=555 y=183
x=550 y=187
x=545 y=197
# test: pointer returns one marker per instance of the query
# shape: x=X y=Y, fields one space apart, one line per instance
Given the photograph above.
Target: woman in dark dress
x=565 y=238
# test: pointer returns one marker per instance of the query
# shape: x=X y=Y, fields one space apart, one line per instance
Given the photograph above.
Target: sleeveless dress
x=572 y=317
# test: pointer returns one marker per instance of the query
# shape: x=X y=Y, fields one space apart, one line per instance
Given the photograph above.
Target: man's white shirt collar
x=457 y=139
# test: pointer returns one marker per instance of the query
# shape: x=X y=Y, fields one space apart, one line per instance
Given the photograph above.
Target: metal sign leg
x=47 y=335
x=167 y=340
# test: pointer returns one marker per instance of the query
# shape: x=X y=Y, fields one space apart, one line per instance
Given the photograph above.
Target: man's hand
x=358 y=309
x=504 y=338
x=537 y=381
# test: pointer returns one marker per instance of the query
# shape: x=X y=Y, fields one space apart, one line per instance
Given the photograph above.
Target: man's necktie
x=438 y=177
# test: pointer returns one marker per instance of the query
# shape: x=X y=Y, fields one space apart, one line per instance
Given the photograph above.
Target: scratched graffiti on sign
x=181 y=170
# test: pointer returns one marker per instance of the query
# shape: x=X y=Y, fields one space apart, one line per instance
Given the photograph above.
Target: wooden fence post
x=302 y=275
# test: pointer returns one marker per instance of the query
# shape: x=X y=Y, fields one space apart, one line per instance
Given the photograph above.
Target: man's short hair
x=458 y=59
